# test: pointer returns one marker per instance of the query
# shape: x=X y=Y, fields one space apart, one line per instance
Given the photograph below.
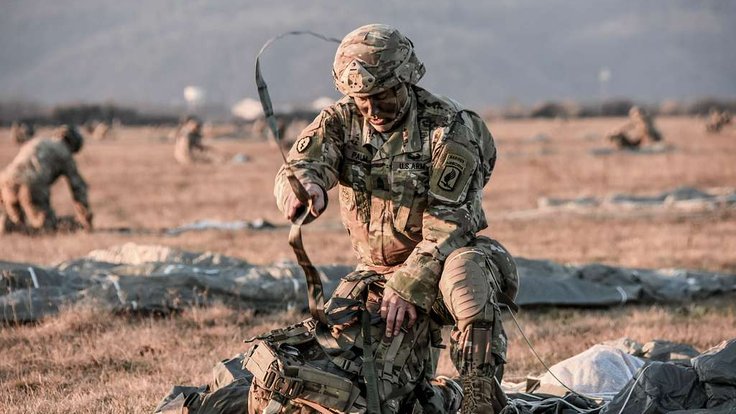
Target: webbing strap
x=369 y=364
x=314 y=283
x=315 y=290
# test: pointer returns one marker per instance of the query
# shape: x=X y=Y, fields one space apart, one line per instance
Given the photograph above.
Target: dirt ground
x=85 y=361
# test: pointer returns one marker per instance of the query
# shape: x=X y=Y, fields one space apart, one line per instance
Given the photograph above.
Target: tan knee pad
x=466 y=285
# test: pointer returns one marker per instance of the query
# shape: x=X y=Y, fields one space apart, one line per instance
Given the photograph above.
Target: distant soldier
x=637 y=131
x=21 y=132
x=717 y=120
x=189 y=147
x=100 y=131
x=25 y=184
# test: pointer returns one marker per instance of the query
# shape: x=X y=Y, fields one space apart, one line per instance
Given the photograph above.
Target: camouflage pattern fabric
x=307 y=368
x=374 y=58
x=25 y=186
x=408 y=198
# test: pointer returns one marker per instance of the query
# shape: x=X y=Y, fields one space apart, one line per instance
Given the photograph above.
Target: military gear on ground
x=374 y=58
x=25 y=184
x=338 y=368
x=227 y=393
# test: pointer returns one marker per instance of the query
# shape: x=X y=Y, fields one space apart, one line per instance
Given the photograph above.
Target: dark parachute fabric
x=226 y=394
x=663 y=387
x=159 y=279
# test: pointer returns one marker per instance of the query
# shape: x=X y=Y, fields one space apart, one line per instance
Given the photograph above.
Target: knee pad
x=468 y=286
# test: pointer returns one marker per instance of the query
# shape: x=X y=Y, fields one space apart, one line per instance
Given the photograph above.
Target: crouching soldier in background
x=639 y=130
x=188 y=147
x=21 y=132
x=717 y=120
x=25 y=185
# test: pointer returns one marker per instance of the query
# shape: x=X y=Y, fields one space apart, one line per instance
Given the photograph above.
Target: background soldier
x=25 y=184
x=411 y=167
x=188 y=147
x=20 y=132
x=717 y=120
x=639 y=130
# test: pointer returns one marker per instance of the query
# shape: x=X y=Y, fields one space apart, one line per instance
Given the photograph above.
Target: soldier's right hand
x=293 y=206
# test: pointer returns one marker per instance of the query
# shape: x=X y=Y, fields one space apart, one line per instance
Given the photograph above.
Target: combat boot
x=482 y=395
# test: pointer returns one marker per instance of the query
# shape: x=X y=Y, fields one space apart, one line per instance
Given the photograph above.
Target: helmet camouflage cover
x=374 y=58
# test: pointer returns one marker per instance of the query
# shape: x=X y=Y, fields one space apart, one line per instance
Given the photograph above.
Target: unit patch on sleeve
x=450 y=179
x=303 y=144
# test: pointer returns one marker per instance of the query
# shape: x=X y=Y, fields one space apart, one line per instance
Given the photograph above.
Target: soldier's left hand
x=394 y=309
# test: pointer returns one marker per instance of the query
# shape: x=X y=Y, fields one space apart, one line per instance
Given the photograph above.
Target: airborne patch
x=451 y=179
x=454 y=169
x=303 y=144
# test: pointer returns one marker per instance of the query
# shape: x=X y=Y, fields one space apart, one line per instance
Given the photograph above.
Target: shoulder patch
x=303 y=144
x=452 y=174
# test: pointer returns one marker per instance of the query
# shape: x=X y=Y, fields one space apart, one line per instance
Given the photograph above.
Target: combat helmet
x=72 y=137
x=374 y=58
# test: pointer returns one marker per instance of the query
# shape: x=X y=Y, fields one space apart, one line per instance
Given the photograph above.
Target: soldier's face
x=382 y=109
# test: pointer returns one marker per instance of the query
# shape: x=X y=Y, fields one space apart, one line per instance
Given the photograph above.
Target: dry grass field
x=86 y=361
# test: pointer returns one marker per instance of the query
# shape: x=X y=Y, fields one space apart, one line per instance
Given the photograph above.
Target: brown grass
x=89 y=361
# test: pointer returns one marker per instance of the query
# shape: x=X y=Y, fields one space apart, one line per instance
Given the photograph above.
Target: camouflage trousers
x=326 y=370
x=473 y=279
x=26 y=208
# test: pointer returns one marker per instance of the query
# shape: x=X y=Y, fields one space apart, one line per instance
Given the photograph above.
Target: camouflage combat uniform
x=25 y=184
x=411 y=200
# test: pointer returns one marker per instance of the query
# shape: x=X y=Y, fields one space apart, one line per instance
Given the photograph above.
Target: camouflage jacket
x=408 y=198
x=40 y=162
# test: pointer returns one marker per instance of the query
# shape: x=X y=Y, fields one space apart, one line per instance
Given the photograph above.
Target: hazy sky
x=479 y=52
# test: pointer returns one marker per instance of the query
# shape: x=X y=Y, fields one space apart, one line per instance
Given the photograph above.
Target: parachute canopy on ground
x=141 y=278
